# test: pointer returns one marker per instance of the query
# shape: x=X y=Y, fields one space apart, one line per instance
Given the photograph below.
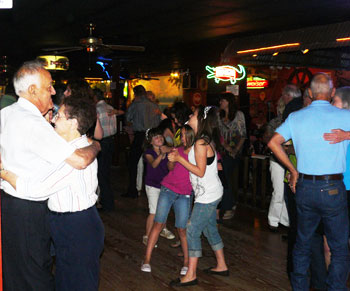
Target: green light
x=126 y=89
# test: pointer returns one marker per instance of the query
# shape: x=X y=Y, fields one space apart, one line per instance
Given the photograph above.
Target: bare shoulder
x=201 y=146
x=200 y=143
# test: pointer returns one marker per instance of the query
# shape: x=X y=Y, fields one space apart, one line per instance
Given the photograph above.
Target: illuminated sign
x=226 y=73
x=257 y=83
x=102 y=64
x=55 y=63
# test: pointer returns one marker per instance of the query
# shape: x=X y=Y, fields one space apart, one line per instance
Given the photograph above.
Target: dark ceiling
x=177 y=33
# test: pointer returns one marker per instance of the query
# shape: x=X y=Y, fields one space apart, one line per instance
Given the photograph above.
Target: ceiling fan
x=92 y=44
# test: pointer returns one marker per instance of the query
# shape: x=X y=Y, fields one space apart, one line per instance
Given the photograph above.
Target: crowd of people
x=54 y=171
x=54 y=182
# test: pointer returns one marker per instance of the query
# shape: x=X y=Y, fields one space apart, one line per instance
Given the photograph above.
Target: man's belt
x=108 y=137
x=322 y=177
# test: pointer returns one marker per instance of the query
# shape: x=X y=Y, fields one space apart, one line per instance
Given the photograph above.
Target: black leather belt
x=69 y=213
x=108 y=137
x=322 y=177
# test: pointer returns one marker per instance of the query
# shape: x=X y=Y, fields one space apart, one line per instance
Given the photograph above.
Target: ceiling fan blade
x=61 y=48
x=118 y=47
x=70 y=50
x=104 y=51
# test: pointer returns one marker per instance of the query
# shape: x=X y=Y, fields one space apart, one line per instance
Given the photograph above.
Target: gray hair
x=321 y=84
x=292 y=91
x=344 y=94
x=28 y=74
x=280 y=107
x=306 y=94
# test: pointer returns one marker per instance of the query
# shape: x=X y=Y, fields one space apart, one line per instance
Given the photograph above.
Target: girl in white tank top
x=208 y=190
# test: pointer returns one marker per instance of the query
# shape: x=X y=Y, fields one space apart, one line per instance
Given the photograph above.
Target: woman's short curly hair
x=84 y=110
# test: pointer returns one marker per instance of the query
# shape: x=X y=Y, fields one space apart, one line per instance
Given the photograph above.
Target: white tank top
x=208 y=188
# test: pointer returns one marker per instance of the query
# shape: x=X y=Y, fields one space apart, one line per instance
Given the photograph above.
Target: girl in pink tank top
x=175 y=192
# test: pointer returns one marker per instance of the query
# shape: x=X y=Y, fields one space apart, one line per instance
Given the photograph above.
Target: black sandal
x=177 y=283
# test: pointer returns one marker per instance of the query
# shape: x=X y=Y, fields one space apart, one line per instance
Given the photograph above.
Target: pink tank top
x=178 y=180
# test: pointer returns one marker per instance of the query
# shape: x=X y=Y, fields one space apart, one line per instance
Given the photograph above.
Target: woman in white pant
x=278 y=210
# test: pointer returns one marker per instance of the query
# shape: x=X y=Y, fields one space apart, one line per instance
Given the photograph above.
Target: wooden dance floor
x=255 y=256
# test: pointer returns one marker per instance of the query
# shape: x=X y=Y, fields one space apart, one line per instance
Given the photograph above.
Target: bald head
x=321 y=87
x=34 y=83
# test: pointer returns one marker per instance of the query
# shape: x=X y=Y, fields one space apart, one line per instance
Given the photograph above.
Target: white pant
x=152 y=196
x=139 y=177
x=278 y=211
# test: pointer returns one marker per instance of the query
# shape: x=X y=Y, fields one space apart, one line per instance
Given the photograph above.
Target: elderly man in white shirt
x=29 y=144
x=76 y=228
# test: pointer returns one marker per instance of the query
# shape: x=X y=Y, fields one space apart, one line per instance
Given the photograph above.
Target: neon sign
x=226 y=73
x=104 y=68
x=257 y=83
x=269 y=48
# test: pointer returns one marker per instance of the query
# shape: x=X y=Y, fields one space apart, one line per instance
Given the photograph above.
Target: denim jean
x=203 y=219
x=318 y=270
x=321 y=200
x=182 y=207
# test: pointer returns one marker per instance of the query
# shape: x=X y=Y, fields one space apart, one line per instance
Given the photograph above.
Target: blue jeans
x=318 y=270
x=182 y=207
x=203 y=219
x=324 y=200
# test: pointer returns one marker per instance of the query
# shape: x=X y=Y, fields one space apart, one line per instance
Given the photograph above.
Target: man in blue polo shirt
x=317 y=182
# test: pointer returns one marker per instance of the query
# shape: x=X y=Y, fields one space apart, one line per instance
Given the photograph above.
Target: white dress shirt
x=108 y=123
x=28 y=143
x=68 y=189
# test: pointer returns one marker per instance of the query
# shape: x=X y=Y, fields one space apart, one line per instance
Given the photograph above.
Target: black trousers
x=229 y=165
x=27 y=263
x=105 y=158
x=78 y=238
x=135 y=154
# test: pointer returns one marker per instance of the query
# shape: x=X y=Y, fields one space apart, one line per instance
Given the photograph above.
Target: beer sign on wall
x=226 y=73
x=257 y=83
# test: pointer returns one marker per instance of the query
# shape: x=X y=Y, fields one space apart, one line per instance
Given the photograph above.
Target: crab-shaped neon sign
x=226 y=73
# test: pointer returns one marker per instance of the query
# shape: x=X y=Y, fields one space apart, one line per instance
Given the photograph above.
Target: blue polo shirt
x=347 y=171
x=306 y=128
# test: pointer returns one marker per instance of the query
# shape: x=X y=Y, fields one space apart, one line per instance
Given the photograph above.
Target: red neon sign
x=257 y=83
